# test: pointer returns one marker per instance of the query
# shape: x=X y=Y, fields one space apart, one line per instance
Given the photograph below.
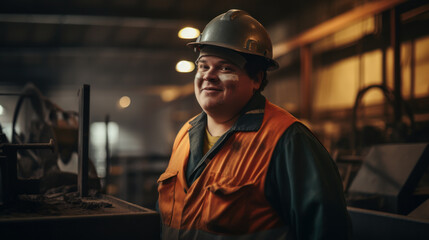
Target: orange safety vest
x=228 y=198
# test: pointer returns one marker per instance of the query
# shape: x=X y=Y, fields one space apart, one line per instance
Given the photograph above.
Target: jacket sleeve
x=303 y=185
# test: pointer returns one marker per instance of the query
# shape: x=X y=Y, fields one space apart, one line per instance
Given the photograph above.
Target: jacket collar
x=250 y=119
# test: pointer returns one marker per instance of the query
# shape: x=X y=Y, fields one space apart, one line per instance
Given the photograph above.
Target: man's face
x=222 y=87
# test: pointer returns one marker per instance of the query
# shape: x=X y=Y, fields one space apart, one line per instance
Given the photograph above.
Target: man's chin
x=213 y=107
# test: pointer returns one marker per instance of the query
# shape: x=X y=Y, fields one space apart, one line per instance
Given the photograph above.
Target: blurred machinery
x=29 y=167
x=45 y=201
x=392 y=186
x=389 y=178
x=386 y=177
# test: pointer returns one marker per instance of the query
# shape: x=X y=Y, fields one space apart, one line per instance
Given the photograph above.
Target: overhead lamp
x=189 y=33
x=124 y=102
x=184 y=66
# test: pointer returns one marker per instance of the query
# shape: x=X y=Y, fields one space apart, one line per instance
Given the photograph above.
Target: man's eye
x=226 y=68
x=202 y=66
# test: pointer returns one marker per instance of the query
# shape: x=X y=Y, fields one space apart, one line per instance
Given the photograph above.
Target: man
x=245 y=168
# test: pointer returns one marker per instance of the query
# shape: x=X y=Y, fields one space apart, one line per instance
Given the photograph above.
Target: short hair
x=254 y=65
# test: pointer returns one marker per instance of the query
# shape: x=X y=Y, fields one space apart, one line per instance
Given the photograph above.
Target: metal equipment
x=388 y=177
x=120 y=220
x=25 y=166
x=376 y=225
x=82 y=182
x=67 y=211
x=11 y=185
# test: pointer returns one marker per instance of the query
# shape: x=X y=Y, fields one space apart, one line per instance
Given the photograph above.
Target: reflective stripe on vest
x=228 y=198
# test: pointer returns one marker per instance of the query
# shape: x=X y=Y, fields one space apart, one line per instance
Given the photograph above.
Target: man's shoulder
x=278 y=114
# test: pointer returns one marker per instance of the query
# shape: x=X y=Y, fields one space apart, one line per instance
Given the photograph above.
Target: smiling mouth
x=210 y=89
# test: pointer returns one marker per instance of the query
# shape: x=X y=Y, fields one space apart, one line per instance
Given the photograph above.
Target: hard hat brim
x=271 y=64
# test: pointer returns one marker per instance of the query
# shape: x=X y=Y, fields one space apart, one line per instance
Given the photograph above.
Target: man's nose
x=210 y=75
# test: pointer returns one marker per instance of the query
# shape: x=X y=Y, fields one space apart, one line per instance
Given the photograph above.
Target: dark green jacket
x=302 y=184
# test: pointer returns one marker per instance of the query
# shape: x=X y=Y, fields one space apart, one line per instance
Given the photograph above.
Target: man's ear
x=259 y=78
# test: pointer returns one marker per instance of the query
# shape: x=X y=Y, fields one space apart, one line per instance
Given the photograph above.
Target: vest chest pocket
x=166 y=190
x=228 y=209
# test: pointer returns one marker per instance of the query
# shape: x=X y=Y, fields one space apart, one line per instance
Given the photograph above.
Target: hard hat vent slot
x=251 y=45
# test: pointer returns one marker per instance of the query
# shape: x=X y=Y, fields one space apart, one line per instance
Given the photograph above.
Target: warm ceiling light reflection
x=172 y=93
x=169 y=95
x=185 y=66
x=124 y=102
x=189 y=33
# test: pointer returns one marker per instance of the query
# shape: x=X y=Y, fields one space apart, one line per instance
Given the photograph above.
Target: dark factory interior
x=96 y=87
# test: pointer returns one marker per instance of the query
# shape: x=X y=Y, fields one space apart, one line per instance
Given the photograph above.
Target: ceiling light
x=189 y=33
x=1 y=110
x=124 y=102
x=184 y=66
